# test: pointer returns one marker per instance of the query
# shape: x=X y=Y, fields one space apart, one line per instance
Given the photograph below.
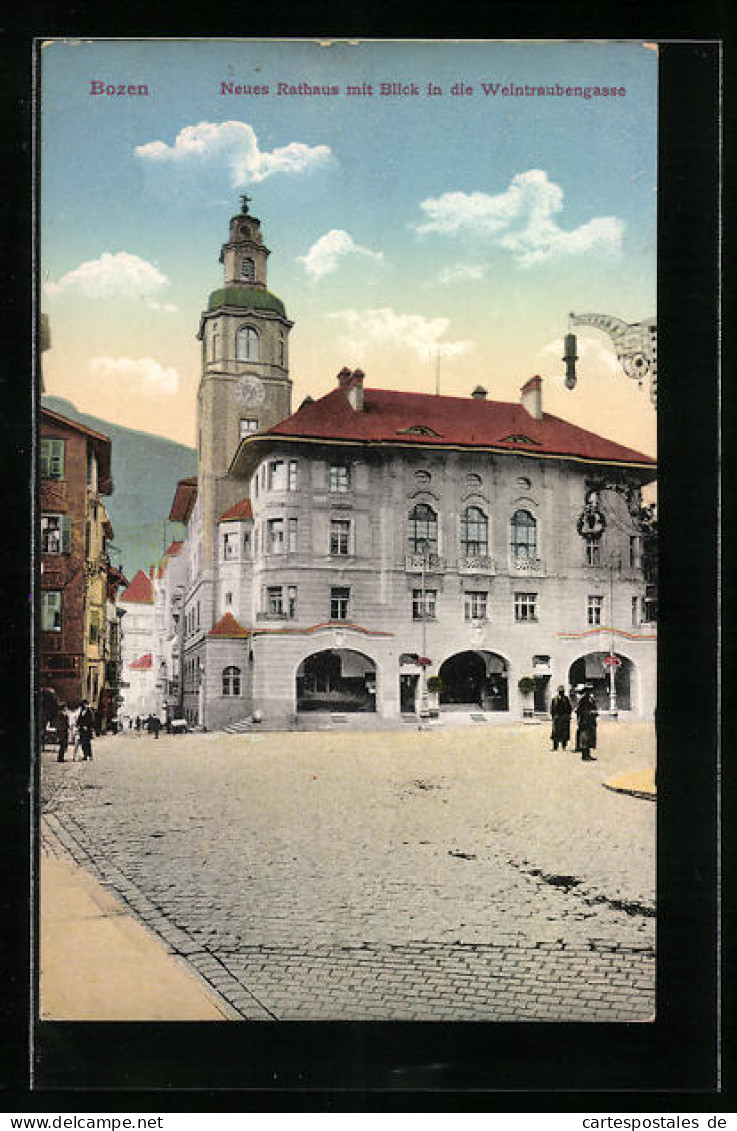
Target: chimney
x=531 y=397
x=479 y=393
x=352 y=386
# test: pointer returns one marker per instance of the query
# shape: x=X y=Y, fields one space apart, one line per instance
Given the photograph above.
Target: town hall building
x=395 y=553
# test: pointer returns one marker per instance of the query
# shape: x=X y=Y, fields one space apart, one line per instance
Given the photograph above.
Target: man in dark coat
x=587 y=714
x=560 y=710
x=62 y=730
x=86 y=728
x=154 y=725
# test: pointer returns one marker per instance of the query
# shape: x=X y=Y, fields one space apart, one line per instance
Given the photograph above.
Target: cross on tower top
x=245 y=201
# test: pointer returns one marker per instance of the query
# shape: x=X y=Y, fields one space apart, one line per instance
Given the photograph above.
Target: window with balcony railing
x=423 y=530
x=523 y=535
x=474 y=532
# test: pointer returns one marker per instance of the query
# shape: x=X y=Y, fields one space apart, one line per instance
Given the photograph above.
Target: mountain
x=145 y=471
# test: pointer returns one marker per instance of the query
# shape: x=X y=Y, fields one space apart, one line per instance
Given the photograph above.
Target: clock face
x=250 y=391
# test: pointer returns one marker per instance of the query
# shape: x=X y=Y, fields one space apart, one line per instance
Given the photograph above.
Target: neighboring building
x=78 y=584
x=336 y=555
x=138 y=647
x=168 y=596
x=150 y=641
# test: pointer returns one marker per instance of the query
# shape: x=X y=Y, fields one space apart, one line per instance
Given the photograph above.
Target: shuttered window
x=52 y=458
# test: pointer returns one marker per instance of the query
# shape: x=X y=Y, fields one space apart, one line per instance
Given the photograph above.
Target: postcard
x=348 y=554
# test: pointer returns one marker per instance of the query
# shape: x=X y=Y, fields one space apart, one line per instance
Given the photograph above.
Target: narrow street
x=456 y=874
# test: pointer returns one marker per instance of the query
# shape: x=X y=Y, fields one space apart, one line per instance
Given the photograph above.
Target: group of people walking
x=151 y=723
x=561 y=710
x=79 y=726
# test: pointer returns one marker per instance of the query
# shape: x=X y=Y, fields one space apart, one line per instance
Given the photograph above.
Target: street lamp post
x=424 y=705
x=613 y=709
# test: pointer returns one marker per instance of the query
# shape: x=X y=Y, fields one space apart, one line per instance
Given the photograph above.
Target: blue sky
x=400 y=227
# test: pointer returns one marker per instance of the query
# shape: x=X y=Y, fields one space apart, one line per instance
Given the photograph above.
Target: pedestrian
x=154 y=725
x=576 y=697
x=560 y=711
x=168 y=723
x=62 y=730
x=138 y=722
x=86 y=728
x=74 y=731
x=587 y=715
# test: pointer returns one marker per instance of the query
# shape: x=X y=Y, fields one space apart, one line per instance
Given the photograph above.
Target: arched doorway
x=475 y=679
x=336 y=679
x=590 y=669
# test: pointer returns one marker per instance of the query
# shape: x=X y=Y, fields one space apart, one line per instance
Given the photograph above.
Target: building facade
x=78 y=585
x=139 y=651
x=150 y=649
x=339 y=557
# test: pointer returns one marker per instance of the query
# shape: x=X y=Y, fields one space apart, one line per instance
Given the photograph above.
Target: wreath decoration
x=591 y=524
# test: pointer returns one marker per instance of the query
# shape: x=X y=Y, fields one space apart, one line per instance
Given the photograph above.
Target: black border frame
x=347 y=1067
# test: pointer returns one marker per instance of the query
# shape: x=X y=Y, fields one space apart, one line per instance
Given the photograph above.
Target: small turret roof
x=252 y=298
x=228 y=626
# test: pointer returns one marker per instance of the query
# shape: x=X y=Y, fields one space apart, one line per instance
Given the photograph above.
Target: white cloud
x=138 y=375
x=162 y=307
x=236 y=144
x=460 y=273
x=409 y=331
x=521 y=220
x=325 y=254
x=112 y=275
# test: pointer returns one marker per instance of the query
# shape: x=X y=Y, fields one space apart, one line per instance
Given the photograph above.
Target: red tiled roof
x=173 y=549
x=140 y=590
x=228 y=626
x=241 y=510
x=185 y=497
x=143 y=662
x=391 y=417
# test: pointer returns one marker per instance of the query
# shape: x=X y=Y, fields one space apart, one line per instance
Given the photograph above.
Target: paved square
x=463 y=873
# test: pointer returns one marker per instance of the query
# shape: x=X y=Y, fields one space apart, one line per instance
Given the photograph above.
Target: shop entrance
x=589 y=669
x=337 y=679
x=475 y=679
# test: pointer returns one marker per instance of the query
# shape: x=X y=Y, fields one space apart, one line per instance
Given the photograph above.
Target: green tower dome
x=252 y=298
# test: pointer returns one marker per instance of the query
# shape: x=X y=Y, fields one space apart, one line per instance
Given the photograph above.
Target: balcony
x=476 y=563
x=527 y=567
x=272 y=616
x=413 y=563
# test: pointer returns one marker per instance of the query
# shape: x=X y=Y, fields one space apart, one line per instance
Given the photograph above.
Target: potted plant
x=526 y=686
x=434 y=687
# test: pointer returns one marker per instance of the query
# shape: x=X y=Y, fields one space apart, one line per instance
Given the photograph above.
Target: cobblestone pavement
x=467 y=874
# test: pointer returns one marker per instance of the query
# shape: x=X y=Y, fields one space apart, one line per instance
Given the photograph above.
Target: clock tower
x=245 y=385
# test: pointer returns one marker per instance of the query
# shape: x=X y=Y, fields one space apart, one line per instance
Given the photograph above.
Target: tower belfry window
x=246 y=346
x=248 y=269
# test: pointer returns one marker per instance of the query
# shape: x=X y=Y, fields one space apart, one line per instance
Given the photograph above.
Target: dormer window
x=417 y=430
x=519 y=438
